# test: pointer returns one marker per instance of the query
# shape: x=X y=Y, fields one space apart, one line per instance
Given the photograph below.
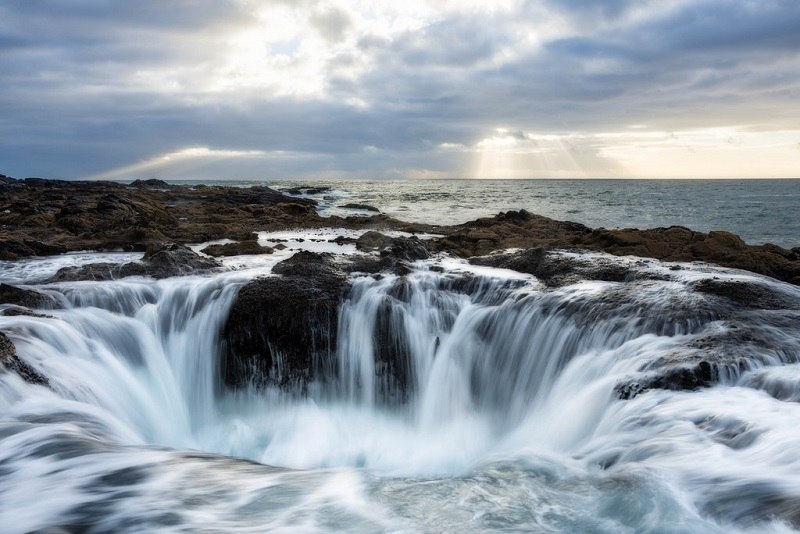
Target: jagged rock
x=162 y=261
x=282 y=330
x=395 y=252
x=27 y=298
x=10 y=360
x=745 y=339
x=240 y=248
x=556 y=270
x=83 y=215
x=748 y=294
x=174 y=260
x=677 y=243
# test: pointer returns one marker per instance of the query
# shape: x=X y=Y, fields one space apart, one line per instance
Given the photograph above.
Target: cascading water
x=460 y=398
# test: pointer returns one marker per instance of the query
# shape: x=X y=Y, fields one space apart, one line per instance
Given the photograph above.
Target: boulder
x=161 y=261
x=394 y=253
x=282 y=330
x=27 y=298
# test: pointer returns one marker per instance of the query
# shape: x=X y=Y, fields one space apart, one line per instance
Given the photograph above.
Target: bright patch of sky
x=418 y=89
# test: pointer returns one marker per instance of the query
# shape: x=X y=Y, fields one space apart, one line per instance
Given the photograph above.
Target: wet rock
x=11 y=361
x=161 y=261
x=14 y=249
x=98 y=272
x=398 y=248
x=306 y=190
x=240 y=248
x=690 y=378
x=681 y=244
x=395 y=253
x=81 y=215
x=742 y=342
x=282 y=330
x=361 y=207
x=152 y=183
x=557 y=270
x=27 y=298
x=747 y=294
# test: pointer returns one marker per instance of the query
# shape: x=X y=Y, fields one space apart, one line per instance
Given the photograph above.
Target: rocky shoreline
x=41 y=217
x=267 y=340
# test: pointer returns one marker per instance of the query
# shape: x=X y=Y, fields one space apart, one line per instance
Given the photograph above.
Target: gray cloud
x=96 y=85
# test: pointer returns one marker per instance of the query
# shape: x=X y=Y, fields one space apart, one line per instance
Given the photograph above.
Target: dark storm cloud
x=81 y=90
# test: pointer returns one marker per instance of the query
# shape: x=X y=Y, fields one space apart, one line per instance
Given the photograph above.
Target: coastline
x=40 y=217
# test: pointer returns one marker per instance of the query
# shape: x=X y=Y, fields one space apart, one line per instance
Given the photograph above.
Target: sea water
x=760 y=211
x=510 y=420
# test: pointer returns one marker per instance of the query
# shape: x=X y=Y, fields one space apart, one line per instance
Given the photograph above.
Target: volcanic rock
x=556 y=270
x=282 y=330
x=27 y=298
x=239 y=248
x=160 y=261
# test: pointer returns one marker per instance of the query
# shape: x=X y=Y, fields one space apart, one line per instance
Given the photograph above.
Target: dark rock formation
x=681 y=244
x=152 y=182
x=27 y=298
x=554 y=270
x=239 y=248
x=746 y=338
x=160 y=261
x=282 y=330
x=163 y=261
x=513 y=229
x=306 y=190
x=394 y=253
x=361 y=207
x=12 y=362
x=692 y=377
x=520 y=229
x=41 y=217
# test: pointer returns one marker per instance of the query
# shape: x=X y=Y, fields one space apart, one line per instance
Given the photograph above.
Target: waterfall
x=440 y=377
x=144 y=352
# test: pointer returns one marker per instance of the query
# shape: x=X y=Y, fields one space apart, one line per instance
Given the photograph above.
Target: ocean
x=527 y=408
x=760 y=211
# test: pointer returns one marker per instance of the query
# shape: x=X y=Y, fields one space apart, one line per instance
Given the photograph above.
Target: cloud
x=91 y=87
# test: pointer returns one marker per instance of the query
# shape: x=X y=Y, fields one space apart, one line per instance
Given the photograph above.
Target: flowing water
x=505 y=415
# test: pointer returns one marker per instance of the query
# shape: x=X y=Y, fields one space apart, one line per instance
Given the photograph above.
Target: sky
x=303 y=89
